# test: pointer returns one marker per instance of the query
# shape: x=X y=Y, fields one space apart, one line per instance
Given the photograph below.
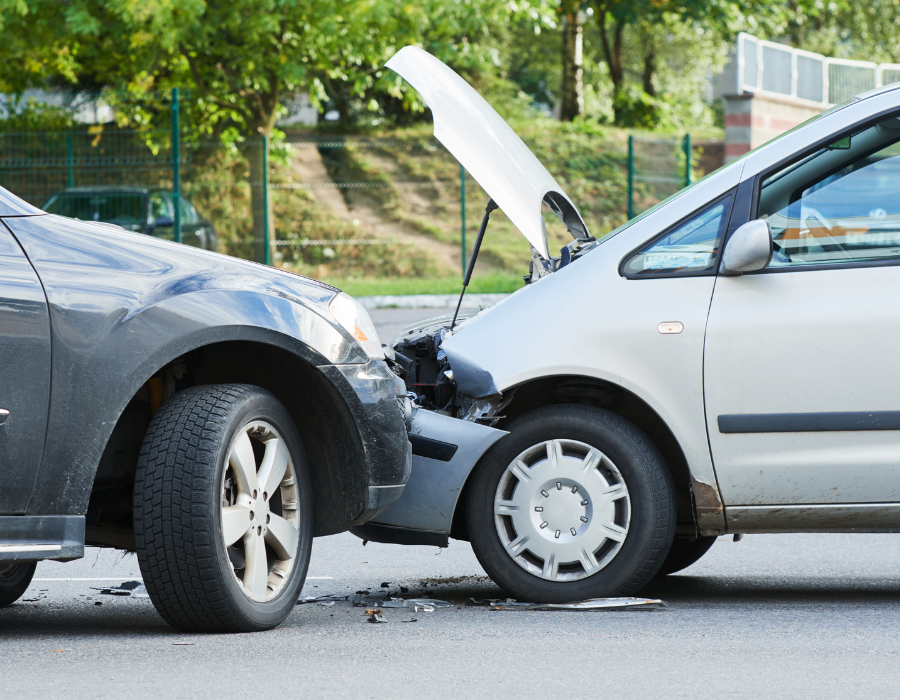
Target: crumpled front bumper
x=380 y=406
x=445 y=450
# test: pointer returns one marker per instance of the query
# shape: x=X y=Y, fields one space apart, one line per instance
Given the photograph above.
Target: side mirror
x=748 y=249
x=163 y=222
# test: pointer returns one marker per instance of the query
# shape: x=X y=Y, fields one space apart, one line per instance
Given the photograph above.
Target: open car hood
x=488 y=148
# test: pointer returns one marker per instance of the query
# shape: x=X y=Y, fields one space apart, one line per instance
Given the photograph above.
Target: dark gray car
x=211 y=414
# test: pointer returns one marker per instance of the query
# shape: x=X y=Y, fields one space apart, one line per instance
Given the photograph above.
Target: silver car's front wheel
x=562 y=510
x=574 y=503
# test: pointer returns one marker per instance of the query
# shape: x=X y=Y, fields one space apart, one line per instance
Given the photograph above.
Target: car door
x=801 y=368
x=24 y=375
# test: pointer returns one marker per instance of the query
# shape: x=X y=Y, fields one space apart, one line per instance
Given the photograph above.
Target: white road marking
x=138 y=578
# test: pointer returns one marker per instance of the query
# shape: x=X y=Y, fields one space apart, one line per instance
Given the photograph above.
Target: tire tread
x=174 y=536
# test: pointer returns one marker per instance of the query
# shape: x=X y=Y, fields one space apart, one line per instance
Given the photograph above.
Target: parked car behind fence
x=136 y=209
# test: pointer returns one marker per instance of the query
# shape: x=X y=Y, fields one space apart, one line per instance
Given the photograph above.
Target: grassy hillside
x=395 y=197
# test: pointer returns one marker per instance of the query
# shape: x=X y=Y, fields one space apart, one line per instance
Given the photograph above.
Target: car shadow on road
x=60 y=621
x=35 y=621
x=719 y=590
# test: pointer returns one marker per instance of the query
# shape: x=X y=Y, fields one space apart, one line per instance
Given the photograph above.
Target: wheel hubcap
x=259 y=511
x=562 y=510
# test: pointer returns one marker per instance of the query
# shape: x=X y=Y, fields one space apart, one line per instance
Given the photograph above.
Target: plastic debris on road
x=583 y=605
x=133 y=589
x=375 y=615
x=426 y=604
x=321 y=599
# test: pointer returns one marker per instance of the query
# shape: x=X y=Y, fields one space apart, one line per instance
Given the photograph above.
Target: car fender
x=588 y=320
x=124 y=305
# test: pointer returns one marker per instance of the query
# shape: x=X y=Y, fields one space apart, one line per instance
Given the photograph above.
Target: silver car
x=722 y=364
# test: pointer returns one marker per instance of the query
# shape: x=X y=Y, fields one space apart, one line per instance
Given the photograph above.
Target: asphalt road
x=814 y=616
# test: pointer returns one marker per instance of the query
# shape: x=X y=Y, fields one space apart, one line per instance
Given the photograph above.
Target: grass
x=488 y=283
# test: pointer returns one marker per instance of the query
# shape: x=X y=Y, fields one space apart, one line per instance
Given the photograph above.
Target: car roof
x=875 y=92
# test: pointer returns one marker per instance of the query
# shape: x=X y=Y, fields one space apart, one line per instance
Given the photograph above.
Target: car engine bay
x=417 y=355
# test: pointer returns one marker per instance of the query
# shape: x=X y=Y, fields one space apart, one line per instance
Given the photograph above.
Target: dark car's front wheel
x=14 y=580
x=222 y=510
x=574 y=503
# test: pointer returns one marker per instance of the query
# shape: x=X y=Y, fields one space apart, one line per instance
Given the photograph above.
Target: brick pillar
x=751 y=120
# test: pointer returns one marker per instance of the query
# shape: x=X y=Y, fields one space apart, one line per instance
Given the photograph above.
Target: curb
x=428 y=301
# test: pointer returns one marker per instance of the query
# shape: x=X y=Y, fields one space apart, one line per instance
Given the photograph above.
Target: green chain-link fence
x=657 y=168
x=322 y=204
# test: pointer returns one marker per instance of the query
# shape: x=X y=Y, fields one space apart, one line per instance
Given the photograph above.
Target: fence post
x=267 y=253
x=462 y=203
x=70 y=162
x=630 y=177
x=686 y=144
x=176 y=168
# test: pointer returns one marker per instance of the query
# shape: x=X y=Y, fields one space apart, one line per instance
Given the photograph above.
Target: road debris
x=132 y=589
x=414 y=619
x=583 y=605
x=426 y=604
x=322 y=599
x=375 y=615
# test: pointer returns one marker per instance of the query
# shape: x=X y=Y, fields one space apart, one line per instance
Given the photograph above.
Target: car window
x=160 y=206
x=122 y=209
x=841 y=204
x=188 y=213
x=690 y=249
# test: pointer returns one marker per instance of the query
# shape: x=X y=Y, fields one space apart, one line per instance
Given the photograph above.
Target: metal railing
x=768 y=68
x=658 y=168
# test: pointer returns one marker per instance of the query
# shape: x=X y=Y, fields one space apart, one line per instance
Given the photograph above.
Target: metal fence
x=657 y=168
x=768 y=68
x=308 y=203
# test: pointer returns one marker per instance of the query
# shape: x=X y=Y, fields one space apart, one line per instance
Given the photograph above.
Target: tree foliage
x=645 y=61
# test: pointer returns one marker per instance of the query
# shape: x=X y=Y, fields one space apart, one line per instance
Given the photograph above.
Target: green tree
x=572 y=103
x=242 y=58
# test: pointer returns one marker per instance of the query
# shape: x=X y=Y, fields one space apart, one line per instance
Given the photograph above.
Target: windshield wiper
x=491 y=206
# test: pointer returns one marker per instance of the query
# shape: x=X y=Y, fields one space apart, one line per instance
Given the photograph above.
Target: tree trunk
x=612 y=52
x=573 y=87
x=649 y=71
x=260 y=201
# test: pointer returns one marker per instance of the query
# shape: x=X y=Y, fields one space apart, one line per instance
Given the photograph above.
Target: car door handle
x=4 y=414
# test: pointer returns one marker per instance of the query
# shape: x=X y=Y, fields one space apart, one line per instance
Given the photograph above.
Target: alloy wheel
x=259 y=511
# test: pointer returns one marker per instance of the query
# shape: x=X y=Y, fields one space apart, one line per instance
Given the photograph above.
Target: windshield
x=121 y=209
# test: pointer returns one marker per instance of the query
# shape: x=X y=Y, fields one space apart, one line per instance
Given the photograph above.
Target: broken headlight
x=355 y=320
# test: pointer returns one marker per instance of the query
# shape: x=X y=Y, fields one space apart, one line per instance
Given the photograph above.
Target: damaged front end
x=451 y=430
x=457 y=402
x=464 y=391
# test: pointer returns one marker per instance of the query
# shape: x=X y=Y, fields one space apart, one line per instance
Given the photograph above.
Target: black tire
x=685 y=552
x=640 y=466
x=14 y=580
x=179 y=496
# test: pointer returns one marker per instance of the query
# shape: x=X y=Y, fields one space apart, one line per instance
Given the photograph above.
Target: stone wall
x=751 y=120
